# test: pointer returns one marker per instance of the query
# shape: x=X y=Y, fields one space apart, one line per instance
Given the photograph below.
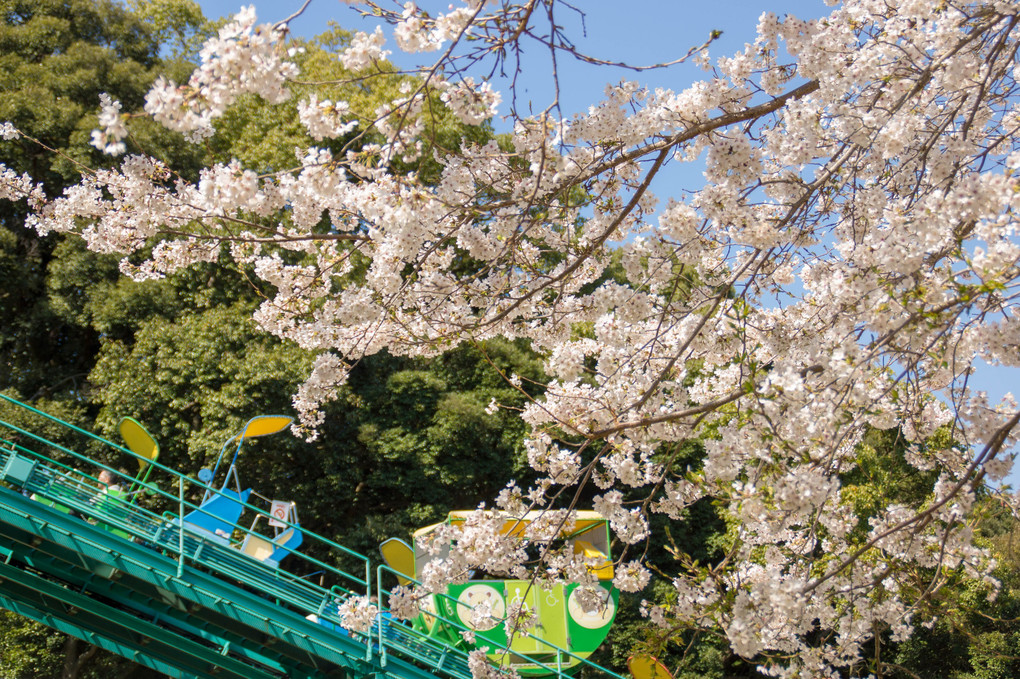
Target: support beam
x=124 y=634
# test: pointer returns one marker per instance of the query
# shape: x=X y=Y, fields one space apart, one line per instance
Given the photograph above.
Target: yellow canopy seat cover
x=139 y=441
x=399 y=556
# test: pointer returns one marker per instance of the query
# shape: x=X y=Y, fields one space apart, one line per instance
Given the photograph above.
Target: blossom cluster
x=9 y=132
x=243 y=58
x=357 y=614
x=471 y=103
x=109 y=140
x=18 y=187
x=325 y=119
x=365 y=50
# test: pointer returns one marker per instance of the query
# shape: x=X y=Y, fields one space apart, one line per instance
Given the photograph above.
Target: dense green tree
x=56 y=58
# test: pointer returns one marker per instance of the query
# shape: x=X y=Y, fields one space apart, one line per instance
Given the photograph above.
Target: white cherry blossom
x=109 y=140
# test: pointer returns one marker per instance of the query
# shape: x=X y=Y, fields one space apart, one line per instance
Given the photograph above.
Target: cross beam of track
x=58 y=606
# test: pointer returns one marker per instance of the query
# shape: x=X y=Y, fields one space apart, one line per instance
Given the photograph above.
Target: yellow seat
x=604 y=568
x=647 y=667
x=257 y=547
x=141 y=443
x=399 y=556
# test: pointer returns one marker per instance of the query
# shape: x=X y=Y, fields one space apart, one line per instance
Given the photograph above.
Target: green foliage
x=63 y=408
x=415 y=442
x=882 y=476
x=977 y=635
x=194 y=379
x=28 y=649
x=56 y=57
x=177 y=25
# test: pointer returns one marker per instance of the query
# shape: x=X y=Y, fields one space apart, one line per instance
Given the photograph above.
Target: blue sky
x=638 y=32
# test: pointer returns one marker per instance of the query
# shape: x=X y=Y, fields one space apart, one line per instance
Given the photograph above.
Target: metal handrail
x=131 y=453
x=174 y=498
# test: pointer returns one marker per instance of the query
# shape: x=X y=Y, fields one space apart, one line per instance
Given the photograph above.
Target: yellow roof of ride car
x=584 y=519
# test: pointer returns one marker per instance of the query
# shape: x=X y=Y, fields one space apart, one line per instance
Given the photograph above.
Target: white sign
x=279 y=513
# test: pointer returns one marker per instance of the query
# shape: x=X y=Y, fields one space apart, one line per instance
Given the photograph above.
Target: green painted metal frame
x=48 y=618
x=182 y=481
x=127 y=632
x=55 y=535
x=145 y=601
x=87 y=543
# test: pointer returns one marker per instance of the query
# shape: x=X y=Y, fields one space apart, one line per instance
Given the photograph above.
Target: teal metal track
x=87 y=569
x=123 y=575
x=117 y=630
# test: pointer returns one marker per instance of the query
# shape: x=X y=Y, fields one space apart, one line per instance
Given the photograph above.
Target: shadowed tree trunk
x=73 y=660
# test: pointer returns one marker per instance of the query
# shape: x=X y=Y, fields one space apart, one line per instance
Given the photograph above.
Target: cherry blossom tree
x=850 y=254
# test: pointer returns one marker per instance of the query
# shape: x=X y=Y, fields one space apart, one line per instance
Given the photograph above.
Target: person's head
x=106 y=476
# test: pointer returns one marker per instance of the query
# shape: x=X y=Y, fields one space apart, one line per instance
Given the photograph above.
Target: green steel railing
x=182 y=481
x=68 y=488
